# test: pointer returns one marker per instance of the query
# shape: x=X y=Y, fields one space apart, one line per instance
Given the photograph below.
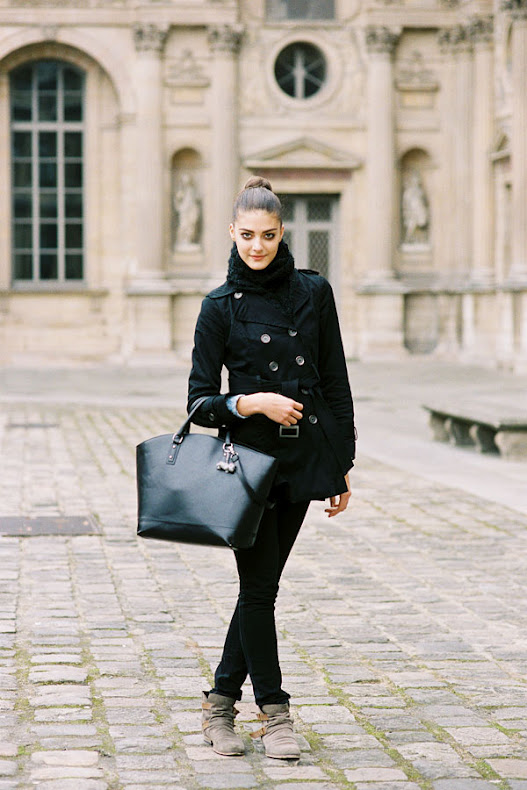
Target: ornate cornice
x=516 y=8
x=225 y=38
x=455 y=39
x=481 y=29
x=150 y=38
x=382 y=39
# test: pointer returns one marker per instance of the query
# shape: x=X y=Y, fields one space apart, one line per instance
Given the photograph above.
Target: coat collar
x=255 y=308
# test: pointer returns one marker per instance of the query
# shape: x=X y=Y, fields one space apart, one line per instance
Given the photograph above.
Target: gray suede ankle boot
x=277 y=733
x=217 y=722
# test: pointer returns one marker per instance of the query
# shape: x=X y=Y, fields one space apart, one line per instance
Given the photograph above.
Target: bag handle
x=185 y=428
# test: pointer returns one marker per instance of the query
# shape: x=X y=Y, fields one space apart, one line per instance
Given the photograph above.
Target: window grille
x=300 y=70
x=300 y=9
x=47 y=140
x=311 y=230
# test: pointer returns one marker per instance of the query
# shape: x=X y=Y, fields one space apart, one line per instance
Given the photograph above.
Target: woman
x=275 y=329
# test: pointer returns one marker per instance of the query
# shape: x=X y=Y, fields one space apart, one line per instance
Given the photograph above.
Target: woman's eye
x=269 y=235
x=246 y=235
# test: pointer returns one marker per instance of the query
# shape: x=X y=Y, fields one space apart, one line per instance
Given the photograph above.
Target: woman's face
x=257 y=235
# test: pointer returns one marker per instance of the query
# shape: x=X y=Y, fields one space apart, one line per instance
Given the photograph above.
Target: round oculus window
x=300 y=70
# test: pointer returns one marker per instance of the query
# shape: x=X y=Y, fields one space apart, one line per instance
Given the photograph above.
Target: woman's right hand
x=278 y=408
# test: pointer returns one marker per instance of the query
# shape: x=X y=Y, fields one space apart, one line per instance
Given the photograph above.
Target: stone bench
x=483 y=426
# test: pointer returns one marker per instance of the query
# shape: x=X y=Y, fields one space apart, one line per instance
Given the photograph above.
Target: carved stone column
x=149 y=41
x=481 y=31
x=381 y=43
x=225 y=42
x=447 y=96
x=518 y=9
x=463 y=112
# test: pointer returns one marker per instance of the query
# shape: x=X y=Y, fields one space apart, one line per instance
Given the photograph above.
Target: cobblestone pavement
x=402 y=629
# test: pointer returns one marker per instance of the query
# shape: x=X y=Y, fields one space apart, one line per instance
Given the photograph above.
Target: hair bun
x=257 y=181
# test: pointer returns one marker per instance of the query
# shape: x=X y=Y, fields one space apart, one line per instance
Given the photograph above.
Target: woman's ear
x=282 y=232
x=231 y=231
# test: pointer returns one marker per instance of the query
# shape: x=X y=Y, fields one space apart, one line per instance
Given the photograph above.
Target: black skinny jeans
x=251 y=644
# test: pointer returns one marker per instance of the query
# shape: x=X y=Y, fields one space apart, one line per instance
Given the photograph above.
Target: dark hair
x=257 y=195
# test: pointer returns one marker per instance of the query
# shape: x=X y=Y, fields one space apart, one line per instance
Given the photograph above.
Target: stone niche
x=416 y=210
x=187 y=206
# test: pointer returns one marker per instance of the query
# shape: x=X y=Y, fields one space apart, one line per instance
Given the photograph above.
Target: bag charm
x=228 y=465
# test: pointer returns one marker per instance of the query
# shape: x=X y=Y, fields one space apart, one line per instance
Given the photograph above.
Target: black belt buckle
x=289 y=431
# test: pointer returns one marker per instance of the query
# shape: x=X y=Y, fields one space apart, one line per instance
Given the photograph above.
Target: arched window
x=300 y=70
x=47 y=131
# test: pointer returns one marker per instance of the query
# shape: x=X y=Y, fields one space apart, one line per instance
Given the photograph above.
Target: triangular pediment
x=303 y=152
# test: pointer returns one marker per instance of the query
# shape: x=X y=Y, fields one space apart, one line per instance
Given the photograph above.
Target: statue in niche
x=415 y=211
x=187 y=206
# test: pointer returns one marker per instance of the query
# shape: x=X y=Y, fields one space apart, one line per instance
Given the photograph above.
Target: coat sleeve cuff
x=351 y=447
x=214 y=412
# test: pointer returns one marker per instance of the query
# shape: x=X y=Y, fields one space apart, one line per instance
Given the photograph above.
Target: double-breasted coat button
x=304 y=390
x=265 y=338
x=292 y=332
x=300 y=360
x=212 y=416
x=313 y=419
x=273 y=366
x=238 y=295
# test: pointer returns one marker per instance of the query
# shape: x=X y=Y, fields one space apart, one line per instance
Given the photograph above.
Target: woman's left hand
x=340 y=502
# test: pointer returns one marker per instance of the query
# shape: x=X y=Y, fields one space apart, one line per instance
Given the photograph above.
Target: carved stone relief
x=381 y=39
x=413 y=72
x=351 y=95
x=187 y=70
x=455 y=39
x=150 y=37
x=481 y=29
x=225 y=38
x=516 y=8
x=253 y=95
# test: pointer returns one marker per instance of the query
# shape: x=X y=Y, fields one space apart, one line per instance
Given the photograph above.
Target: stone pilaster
x=456 y=44
x=518 y=11
x=381 y=220
x=225 y=42
x=481 y=33
x=149 y=41
x=447 y=217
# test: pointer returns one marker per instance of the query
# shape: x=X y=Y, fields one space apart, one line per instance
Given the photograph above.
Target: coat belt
x=290 y=387
x=246 y=385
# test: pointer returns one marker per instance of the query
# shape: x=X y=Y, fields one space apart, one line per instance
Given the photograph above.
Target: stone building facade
x=395 y=130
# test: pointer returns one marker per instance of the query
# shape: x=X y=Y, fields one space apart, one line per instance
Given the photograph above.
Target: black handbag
x=197 y=488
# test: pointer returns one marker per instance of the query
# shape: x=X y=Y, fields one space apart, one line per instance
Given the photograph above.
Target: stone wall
x=413 y=120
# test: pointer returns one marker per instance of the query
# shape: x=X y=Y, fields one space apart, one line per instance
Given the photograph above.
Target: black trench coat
x=262 y=351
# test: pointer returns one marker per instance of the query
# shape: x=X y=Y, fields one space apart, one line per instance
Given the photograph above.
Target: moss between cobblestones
x=23 y=666
x=438 y=732
x=335 y=691
x=202 y=661
x=488 y=772
x=508 y=731
x=107 y=746
x=111 y=450
x=481 y=766
x=86 y=441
